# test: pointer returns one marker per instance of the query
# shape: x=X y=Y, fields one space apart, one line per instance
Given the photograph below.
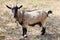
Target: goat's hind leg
x=43 y=30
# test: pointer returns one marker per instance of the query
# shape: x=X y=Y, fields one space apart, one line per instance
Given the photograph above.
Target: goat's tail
x=49 y=12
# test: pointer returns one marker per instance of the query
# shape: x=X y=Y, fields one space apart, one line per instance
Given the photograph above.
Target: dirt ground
x=9 y=30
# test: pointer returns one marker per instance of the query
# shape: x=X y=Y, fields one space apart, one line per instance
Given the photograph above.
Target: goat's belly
x=33 y=21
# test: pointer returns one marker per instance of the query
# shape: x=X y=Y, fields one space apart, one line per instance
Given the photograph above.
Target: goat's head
x=14 y=9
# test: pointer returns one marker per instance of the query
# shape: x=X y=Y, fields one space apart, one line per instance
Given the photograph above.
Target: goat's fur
x=31 y=18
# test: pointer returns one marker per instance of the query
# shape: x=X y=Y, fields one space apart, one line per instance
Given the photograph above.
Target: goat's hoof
x=25 y=36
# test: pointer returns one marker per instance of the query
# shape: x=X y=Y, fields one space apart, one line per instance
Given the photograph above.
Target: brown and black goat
x=30 y=18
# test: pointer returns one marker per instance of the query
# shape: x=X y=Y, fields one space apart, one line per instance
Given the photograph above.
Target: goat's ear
x=20 y=6
x=8 y=7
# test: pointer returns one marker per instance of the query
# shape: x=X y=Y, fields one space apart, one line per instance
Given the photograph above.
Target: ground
x=9 y=30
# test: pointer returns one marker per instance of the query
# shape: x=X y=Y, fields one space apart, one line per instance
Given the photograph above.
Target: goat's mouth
x=15 y=15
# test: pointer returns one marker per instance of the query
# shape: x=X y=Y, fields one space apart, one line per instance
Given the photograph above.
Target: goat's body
x=31 y=17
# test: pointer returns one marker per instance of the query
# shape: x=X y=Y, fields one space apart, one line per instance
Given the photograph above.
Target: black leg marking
x=43 y=31
x=24 y=31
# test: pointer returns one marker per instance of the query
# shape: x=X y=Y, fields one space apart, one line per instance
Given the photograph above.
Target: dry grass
x=10 y=30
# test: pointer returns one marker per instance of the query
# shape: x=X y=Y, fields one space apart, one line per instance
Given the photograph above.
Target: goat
x=30 y=18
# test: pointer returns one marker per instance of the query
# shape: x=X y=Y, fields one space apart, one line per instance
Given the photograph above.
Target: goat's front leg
x=24 y=32
x=24 y=28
